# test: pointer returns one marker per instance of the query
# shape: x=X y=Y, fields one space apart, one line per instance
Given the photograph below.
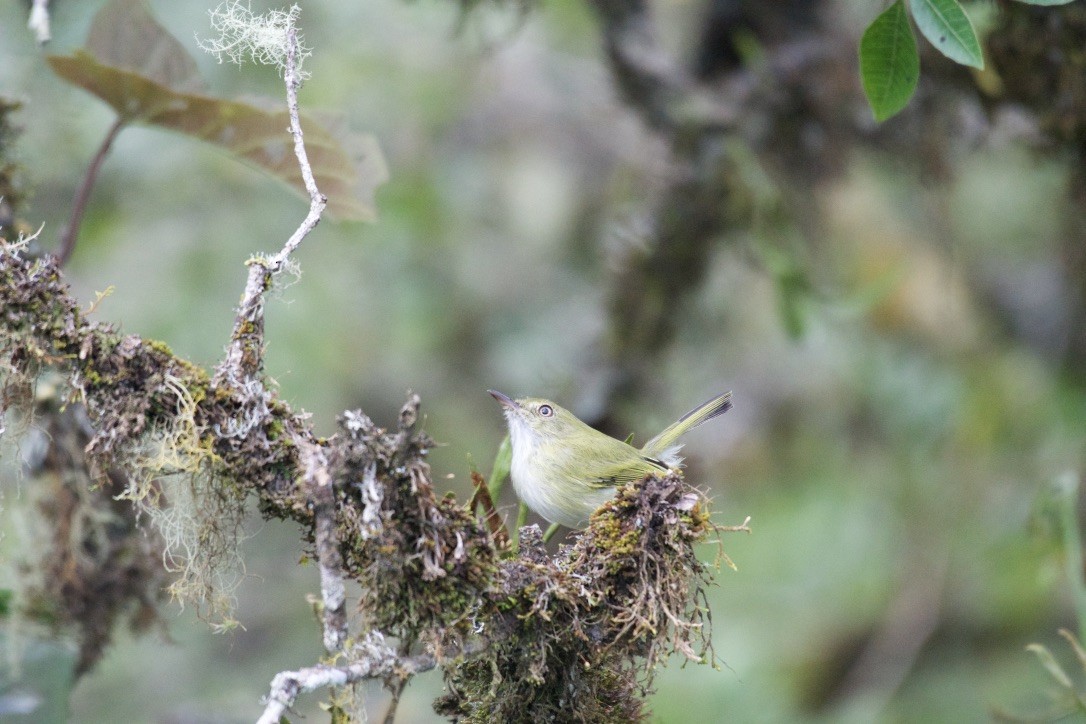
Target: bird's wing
x=622 y=473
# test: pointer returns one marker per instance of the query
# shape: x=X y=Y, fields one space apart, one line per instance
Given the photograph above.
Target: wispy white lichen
x=248 y=36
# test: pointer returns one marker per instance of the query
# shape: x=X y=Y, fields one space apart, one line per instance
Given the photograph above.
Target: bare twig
x=394 y=703
x=79 y=205
x=39 y=21
x=377 y=659
x=245 y=353
x=373 y=659
x=743 y=527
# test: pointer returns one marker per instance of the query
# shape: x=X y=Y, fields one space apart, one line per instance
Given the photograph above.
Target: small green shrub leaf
x=889 y=64
x=947 y=27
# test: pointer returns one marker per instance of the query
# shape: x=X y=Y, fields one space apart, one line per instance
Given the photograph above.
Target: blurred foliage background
x=898 y=342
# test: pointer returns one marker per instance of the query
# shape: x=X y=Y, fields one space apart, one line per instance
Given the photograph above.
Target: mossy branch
x=517 y=638
x=516 y=635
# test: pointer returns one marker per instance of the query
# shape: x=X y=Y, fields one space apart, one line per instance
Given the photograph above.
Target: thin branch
x=240 y=368
x=248 y=326
x=39 y=21
x=333 y=594
x=376 y=660
x=82 y=196
x=394 y=702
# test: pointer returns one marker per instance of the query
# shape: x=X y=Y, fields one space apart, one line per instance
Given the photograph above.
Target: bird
x=565 y=470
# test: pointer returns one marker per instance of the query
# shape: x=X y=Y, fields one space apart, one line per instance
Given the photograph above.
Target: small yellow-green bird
x=564 y=470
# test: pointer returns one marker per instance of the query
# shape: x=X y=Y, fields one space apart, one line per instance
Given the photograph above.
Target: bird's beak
x=504 y=399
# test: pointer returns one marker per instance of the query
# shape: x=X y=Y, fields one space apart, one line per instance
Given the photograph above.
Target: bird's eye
x=546 y=411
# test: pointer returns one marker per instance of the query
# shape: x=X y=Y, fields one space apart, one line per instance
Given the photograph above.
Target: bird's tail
x=663 y=446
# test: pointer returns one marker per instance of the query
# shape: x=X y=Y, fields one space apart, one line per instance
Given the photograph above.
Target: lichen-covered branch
x=97 y=568
x=583 y=630
x=245 y=354
x=334 y=596
x=524 y=636
x=517 y=638
x=372 y=658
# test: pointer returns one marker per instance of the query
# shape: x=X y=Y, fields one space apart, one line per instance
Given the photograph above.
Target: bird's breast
x=536 y=469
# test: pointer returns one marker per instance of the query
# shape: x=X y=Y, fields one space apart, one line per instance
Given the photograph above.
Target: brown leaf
x=481 y=499
x=125 y=35
x=136 y=67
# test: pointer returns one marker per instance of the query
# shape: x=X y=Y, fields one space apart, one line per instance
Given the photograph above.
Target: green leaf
x=503 y=460
x=889 y=64
x=136 y=67
x=947 y=27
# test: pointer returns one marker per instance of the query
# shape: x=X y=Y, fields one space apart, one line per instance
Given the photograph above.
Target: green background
x=891 y=457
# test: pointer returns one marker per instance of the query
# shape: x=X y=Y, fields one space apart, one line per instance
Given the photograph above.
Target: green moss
x=159 y=346
x=584 y=630
x=275 y=429
x=578 y=631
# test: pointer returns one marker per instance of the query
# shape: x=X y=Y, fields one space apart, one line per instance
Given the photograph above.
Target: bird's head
x=532 y=419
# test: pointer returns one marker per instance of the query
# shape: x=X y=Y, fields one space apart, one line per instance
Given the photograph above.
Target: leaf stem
x=1072 y=541
x=79 y=204
x=522 y=520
